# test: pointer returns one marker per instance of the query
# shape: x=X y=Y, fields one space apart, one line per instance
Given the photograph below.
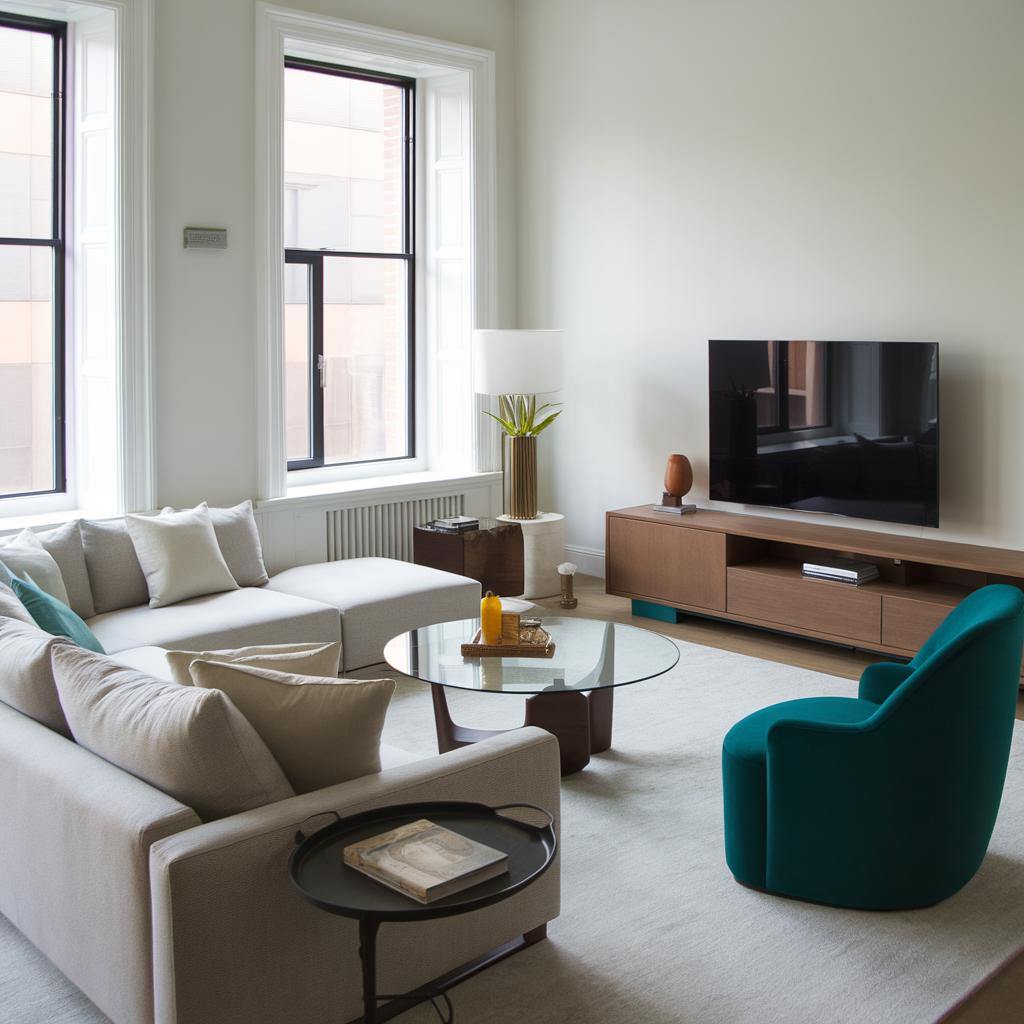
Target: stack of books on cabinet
x=842 y=570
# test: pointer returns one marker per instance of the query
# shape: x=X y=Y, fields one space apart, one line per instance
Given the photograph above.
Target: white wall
x=205 y=176
x=694 y=169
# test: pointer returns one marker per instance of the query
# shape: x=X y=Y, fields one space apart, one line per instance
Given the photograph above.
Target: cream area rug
x=653 y=928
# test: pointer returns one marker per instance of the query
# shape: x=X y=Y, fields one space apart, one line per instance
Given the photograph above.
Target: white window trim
x=133 y=341
x=276 y=28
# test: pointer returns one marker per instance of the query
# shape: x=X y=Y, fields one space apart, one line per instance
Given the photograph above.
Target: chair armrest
x=878 y=681
x=234 y=943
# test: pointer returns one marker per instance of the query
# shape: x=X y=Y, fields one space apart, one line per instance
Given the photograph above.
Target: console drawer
x=776 y=593
x=664 y=563
x=907 y=623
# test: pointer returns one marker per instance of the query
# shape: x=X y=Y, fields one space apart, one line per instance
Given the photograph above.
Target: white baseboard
x=589 y=561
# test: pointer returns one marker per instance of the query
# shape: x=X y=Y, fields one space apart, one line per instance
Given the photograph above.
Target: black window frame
x=58 y=30
x=314 y=260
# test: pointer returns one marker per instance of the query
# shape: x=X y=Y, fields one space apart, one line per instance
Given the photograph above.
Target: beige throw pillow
x=179 y=555
x=26 y=678
x=11 y=607
x=115 y=576
x=239 y=542
x=24 y=556
x=65 y=545
x=187 y=742
x=320 y=730
x=301 y=659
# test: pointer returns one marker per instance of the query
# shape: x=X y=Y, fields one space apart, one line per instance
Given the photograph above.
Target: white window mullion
x=447 y=268
x=94 y=264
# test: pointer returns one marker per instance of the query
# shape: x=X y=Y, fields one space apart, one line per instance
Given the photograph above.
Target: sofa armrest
x=235 y=944
x=74 y=861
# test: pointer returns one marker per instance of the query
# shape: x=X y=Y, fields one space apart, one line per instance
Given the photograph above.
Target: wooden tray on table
x=476 y=649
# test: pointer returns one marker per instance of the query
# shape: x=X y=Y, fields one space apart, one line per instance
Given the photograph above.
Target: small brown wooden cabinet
x=748 y=569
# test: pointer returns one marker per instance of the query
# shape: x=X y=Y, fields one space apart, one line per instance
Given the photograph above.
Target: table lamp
x=518 y=366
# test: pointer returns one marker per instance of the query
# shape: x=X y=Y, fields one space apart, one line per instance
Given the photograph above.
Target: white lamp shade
x=517 y=362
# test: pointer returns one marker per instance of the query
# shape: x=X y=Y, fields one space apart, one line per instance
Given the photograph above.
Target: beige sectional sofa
x=361 y=601
x=161 y=918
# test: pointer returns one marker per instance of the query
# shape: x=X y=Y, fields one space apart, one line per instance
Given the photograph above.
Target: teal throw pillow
x=54 y=616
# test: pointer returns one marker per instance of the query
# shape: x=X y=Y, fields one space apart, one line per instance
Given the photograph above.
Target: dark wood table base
x=581 y=722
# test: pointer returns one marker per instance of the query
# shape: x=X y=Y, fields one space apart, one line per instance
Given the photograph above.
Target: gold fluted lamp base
x=521 y=476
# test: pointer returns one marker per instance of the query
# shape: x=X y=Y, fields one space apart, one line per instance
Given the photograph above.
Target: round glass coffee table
x=569 y=694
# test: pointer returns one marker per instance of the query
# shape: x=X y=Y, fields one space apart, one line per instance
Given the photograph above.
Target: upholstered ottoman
x=379 y=598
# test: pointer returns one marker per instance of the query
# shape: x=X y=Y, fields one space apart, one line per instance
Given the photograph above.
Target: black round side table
x=320 y=876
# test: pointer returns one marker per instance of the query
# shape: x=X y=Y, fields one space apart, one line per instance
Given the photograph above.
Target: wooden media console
x=748 y=569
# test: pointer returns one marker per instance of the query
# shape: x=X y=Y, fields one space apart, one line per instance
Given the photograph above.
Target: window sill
x=42 y=520
x=378 y=490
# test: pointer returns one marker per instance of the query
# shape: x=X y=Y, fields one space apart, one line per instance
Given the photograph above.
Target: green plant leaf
x=547 y=422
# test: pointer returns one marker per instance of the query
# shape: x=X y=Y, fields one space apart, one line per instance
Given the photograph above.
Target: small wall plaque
x=206 y=238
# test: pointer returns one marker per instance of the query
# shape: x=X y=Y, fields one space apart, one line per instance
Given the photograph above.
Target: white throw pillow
x=25 y=556
x=190 y=743
x=301 y=659
x=239 y=542
x=179 y=555
x=321 y=731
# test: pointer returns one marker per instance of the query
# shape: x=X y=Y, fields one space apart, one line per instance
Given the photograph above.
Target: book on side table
x=425 y=861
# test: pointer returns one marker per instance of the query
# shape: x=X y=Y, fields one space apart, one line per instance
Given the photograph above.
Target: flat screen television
x=846 y=427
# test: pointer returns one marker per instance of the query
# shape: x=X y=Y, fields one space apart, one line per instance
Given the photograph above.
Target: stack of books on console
x=675 y=510
x=842 y=570
x=456 y=524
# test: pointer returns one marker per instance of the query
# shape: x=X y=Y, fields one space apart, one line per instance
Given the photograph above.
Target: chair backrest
x=986 y=610
x=946 y=731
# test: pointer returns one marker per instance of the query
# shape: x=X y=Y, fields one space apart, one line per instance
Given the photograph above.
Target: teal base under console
x=650 y=610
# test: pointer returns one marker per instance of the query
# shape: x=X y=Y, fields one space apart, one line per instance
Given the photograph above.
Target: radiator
x=384 y=530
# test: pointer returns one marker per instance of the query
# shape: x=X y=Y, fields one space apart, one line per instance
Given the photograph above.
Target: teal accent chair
x=886 y=801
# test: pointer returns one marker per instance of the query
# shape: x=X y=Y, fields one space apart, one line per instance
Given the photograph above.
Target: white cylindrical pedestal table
x=543 y=553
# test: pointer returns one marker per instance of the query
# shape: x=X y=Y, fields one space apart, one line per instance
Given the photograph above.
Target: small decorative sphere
x=567 y=568
x=678 y=475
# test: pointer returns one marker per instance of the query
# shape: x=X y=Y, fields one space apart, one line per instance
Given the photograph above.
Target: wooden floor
x=1001 y=1001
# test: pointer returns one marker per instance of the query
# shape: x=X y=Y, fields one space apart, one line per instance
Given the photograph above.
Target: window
x=456 y=282
x=32 y=207
x=349 y=274
x=90 y=428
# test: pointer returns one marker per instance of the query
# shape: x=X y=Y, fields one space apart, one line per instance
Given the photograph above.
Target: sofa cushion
x=300 y=659
x=320 y=730
x=188 y=742
x=379 y=598
x=53 y=616
x=150 y=660
x=23 y=556
x=26 y=678
x=179 y=555
x=11 y=607
x=115 y=575
x=65 y=546
x=238 y=618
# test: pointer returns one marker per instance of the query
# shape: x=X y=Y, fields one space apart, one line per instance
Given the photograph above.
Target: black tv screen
x=846 y=427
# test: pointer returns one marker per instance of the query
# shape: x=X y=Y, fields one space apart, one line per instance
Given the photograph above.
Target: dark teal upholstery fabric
x=887 y=801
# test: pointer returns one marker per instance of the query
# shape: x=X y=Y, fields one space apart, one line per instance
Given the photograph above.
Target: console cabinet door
x=670 y=565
